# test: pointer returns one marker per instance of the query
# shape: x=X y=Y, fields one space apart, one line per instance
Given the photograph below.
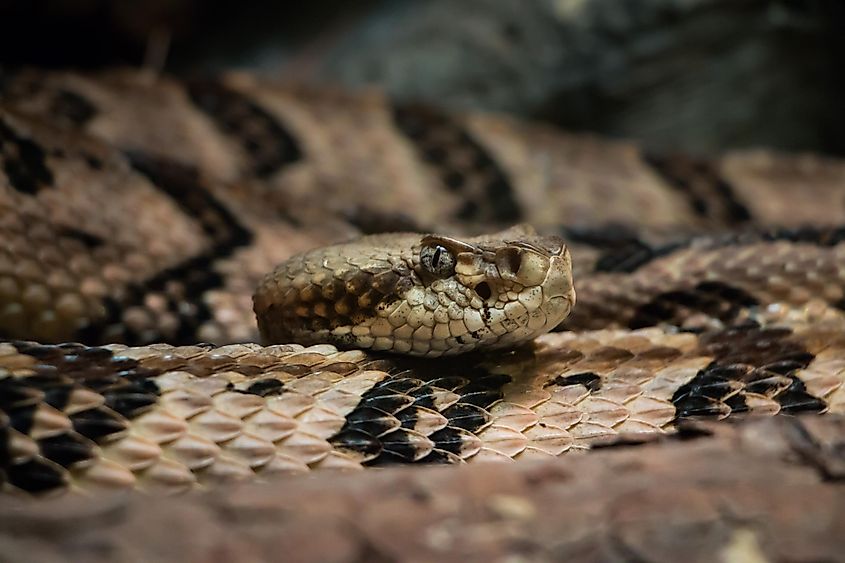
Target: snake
x=205 y=281
x=428 y=296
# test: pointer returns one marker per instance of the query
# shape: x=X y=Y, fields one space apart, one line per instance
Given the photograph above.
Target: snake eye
x=437 y=260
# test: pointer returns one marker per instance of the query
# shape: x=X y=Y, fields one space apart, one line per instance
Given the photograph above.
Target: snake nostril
x=483 y=290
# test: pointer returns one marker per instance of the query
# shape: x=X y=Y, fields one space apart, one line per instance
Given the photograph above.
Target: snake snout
x=529 y=263
x=558 y=281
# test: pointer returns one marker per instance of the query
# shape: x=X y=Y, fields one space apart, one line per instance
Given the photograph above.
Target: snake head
x=509 y=286
x=427 y=295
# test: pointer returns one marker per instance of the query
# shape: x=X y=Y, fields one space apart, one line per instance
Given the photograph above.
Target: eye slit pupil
x=438 y=260
x=435 y=259
x=483 y=290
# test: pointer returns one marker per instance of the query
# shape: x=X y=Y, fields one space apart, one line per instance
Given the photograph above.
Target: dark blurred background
x=698 y=76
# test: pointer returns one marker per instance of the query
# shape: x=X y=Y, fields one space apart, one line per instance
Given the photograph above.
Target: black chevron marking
x=72 y=107
x=747 y=359
x=716 y=299
x=128 y=390
x=380 y=427
x=709 y=193
x=458 y=159
x=24 y=162
x=267 y=143
x=194 y=276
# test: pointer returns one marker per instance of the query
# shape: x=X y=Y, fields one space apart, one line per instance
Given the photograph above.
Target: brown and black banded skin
x=231 y=165
x=171 y=419
x=139 y=210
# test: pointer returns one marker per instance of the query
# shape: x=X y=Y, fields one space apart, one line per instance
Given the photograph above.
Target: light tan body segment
x=374 y=293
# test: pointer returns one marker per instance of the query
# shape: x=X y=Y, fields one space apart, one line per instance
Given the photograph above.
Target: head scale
x=427 y=295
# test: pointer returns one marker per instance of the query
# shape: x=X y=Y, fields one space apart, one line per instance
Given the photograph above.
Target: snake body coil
x=168 y=391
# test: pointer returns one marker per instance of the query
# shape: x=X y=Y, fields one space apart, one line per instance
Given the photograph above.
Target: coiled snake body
x=148 y=211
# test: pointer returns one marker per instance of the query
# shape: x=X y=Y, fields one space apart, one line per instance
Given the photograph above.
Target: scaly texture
x=767 y=490
x=420 y=295
x=171 y=418
x=231 y=168
x=137 y=210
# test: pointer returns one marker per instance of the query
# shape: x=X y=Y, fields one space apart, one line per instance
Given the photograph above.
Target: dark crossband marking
x=464 y=165
x=264 y=388
x=128 y=390
x=710 y=195
x=89 y=240
x=588 y=379
x=266 y=142
x=71 y=107
x=632 y=256
x=58 y=105
x=5 y=437
x=383 y=428
x=747 y=359
x=822 y=236
x=24 y=162
x=716 y=299
x=182 y=286
x=625 y=252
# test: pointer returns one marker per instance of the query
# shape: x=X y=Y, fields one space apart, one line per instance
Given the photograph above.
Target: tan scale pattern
x=558 y=183
x=64 y=272
x=350 y=149
x=766 y=182
x=208 y=426
x=782 y=272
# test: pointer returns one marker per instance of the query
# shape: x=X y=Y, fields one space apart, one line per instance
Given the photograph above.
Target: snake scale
x=138 y=214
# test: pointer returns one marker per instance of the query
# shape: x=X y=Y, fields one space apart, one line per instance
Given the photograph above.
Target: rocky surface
x=697 y=76
x=692 y=75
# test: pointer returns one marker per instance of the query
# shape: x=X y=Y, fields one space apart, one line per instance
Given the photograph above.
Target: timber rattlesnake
x=140 y=210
